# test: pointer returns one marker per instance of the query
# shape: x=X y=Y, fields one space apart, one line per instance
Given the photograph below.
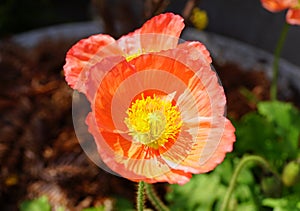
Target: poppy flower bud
x=291 y=173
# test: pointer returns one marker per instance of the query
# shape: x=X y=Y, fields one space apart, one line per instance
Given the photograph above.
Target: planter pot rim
x=76 y=31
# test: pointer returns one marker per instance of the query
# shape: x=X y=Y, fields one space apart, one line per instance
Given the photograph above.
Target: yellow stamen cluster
x=153 y=121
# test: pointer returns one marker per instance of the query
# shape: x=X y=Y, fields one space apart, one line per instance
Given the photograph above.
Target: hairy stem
x=278 y=49
x=140 y=200
x=154 y=199
x=245 y=160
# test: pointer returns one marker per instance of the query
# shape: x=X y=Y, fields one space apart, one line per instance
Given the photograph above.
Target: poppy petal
x=130 y=43
x=101 y=69
x=106 y=154
x=226 y=145
x=167 y=23
x=278 y=5
x=136 y=166
x=196 y=50
x=293 y=16
x=105 y=87
x=83 y=55
x=198 y=76
x=165 y=30
x=159 y=33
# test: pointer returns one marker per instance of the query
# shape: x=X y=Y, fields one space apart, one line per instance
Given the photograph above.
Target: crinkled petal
x=225 y=145
x=132 y=160
x=196 y=50
x=167 y=24
x=212 y=142
x=130 y=43
x=202 y=107
x=107 y=154
x=85 y=54
x=100 y=70
x=167 y=27
x=159 y=33
x=191 y=63
x=105 y=87
x=293 y=16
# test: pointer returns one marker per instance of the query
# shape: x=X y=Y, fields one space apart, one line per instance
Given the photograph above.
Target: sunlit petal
x=83 y=55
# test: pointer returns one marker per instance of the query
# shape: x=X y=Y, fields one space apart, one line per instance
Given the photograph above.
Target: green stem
x=246 y=159
x=273 y=91
x=154 y=199
x=140 y=200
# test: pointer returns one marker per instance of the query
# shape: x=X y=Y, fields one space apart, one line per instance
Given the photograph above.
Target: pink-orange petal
x=172 y=177
x=293 y=16
x=130 y=43
x=208 y=152
x=198 y=75
x=82 y=56
x=106 y=87
x=164 y=62
x=278 y=5
x=196 y=50
x=137 y=167
x=107 y=155
x=167 y=24
x=225 y=146
x=161 y=32
x=101 y=69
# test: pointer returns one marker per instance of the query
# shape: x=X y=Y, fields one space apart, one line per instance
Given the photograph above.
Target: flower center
x=153 y=121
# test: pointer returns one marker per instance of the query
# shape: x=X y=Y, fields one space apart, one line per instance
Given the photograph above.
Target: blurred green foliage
x=42 y=204
x=39 y=204
x=273 y=132
x=205 y=191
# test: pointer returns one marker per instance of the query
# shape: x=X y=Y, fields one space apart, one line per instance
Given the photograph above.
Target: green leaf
x=287 y=203
x=123 y=204
x=199 y=194
x=39 y=204
x=255 y=135
x=98 y=208
x=272 y=132
x=285 y=115
x=286 y=120
x=205 y=192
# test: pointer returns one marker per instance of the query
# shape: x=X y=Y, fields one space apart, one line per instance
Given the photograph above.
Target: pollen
x=134 y=55
x=153 y=121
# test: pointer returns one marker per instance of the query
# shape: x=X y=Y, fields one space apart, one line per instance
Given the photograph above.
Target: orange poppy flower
x=157 y=107
x=293 y=6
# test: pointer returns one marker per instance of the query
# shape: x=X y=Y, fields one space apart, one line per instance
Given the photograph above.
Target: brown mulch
x=39 y=151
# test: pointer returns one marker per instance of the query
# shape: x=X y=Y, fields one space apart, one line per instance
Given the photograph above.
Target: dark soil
x=39 y=152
